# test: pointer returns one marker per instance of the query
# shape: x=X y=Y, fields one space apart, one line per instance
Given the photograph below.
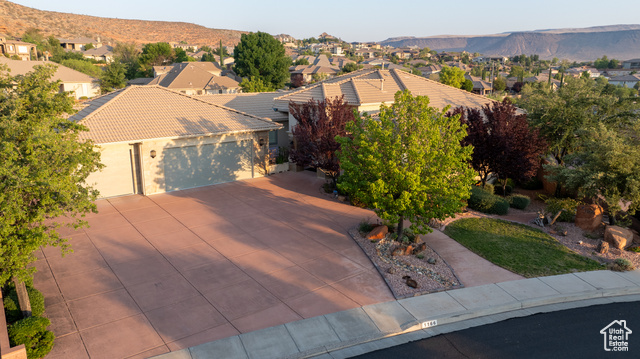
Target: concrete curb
x=372 y=327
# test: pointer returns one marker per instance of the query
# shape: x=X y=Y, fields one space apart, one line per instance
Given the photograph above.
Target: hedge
x=486 y=202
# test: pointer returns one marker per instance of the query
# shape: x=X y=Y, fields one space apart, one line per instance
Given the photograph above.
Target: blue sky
x=372 y=20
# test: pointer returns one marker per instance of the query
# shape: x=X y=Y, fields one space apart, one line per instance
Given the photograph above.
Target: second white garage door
x=195 y=166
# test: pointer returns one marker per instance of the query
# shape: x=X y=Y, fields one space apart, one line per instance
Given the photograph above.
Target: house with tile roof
x=195 y=78
x=24 y=50
x=367 y=89
x=75 y=82
x=259 y=104
x=102 y=53
x=153 y=140
x=625 y=81
x=79 y=43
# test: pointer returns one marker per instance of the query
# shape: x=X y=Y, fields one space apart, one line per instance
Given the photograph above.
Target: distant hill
x=616 y=41
x=15 y=19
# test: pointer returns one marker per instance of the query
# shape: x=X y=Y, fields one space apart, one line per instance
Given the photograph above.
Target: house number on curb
x=429 y=324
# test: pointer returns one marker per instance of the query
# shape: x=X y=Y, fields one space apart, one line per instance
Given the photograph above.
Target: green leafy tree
x=181 y=56
x=155 y=54
x=301 y=61
x=350 y=67
x=83 y=66
x=407 y=164
x=578 y=104
x=43 y=168
x=127 y=54
x=499 y=84
x=88 y=46
x=113 y=77
x=467 y=85
x=261 y=56
x=208 y=57
x=255 y=84
x=606 y=165
x=452 y=76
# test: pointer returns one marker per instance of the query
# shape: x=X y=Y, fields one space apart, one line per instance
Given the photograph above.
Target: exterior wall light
x=261 y=142
x=153 y=153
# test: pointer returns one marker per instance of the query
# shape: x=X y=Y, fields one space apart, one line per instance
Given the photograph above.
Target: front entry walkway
x=169 y=271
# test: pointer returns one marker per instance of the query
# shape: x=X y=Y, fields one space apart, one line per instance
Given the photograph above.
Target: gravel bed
x=429 y=277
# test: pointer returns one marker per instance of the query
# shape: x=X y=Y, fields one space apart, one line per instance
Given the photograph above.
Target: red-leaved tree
x=503 y=142
x=319 y=122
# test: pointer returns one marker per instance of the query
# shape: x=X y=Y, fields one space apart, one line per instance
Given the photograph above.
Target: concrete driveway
x=161 y=273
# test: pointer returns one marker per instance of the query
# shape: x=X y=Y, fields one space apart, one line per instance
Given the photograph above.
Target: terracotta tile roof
x=374 y=86
x=193 y=75
x=147 y=112
x=63 y=73
x=99 y=51
x=258 y=104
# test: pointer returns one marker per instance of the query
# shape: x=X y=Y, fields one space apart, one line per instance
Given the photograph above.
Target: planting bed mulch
x=429 y=278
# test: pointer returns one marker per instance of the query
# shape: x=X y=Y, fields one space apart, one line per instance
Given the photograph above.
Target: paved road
x=571 y=333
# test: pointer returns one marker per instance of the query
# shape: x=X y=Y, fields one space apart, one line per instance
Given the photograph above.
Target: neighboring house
x=259 y=104
x=24 y=50
x=155 y=140
x=185 y=47
x=79 y=43
x=140 y=81
x=340 y=61
x=429 y=70
x=102 y=53
x=195 y=78
x=633 y=64
x=578 y=71
x=365 y=53
x=75 y=82
x=618 y=72
x=480 y=86
x=366 y=90
x=625 y=81
x=319 y=68
x=544 y=78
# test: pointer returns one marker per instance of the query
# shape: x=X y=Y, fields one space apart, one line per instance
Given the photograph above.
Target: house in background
x=367 y=89
x=102 y=53
x=259 y=104
x=633 y=64
x=625 y=81
x=319 y=68
x=24 y=50
x=155 y=140
x=75 y=82
x=195 y=78
x=79 y=43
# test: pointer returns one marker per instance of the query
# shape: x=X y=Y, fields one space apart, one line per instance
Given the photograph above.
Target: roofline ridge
x=282 y=98
x=108 y=103
x=395 y=75
x=441 y=84
x=356 y=92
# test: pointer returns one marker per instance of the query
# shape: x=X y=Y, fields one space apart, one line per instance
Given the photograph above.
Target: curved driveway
x=160 y=273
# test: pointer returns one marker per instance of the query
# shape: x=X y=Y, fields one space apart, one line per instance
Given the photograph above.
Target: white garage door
x=195 y=166
x=116 y=178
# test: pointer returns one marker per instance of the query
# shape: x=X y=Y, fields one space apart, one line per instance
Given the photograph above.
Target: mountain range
x=583 y=44
x=577 y=44
x=16 y=19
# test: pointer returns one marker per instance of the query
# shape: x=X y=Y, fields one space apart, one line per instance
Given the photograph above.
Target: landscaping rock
x=603 y=247
x=431 y=260
x=378 y=233
x=419 y=248
x=391 y=270
x=589 y=217
x=636 y=237
x=618 y=237
x=408 y=251
x=397 y=252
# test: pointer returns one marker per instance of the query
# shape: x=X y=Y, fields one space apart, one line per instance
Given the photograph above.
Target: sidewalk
x=372 y=327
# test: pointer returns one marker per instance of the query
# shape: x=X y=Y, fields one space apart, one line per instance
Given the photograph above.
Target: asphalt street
x=573 y=333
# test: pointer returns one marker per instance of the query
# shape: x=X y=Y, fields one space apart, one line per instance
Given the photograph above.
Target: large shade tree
x=43 y=168
x=408 y=163
x=260 y=56
x=319 y=122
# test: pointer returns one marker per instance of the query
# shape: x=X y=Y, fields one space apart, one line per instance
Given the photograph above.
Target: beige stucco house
x=78 y=84
x=153 y=140
x=367 y=89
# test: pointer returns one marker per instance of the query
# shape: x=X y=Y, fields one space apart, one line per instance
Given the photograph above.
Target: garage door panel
x=116 y=178
x=194 y=166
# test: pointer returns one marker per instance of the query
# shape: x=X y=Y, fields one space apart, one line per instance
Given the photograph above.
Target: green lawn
x=519 y=248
